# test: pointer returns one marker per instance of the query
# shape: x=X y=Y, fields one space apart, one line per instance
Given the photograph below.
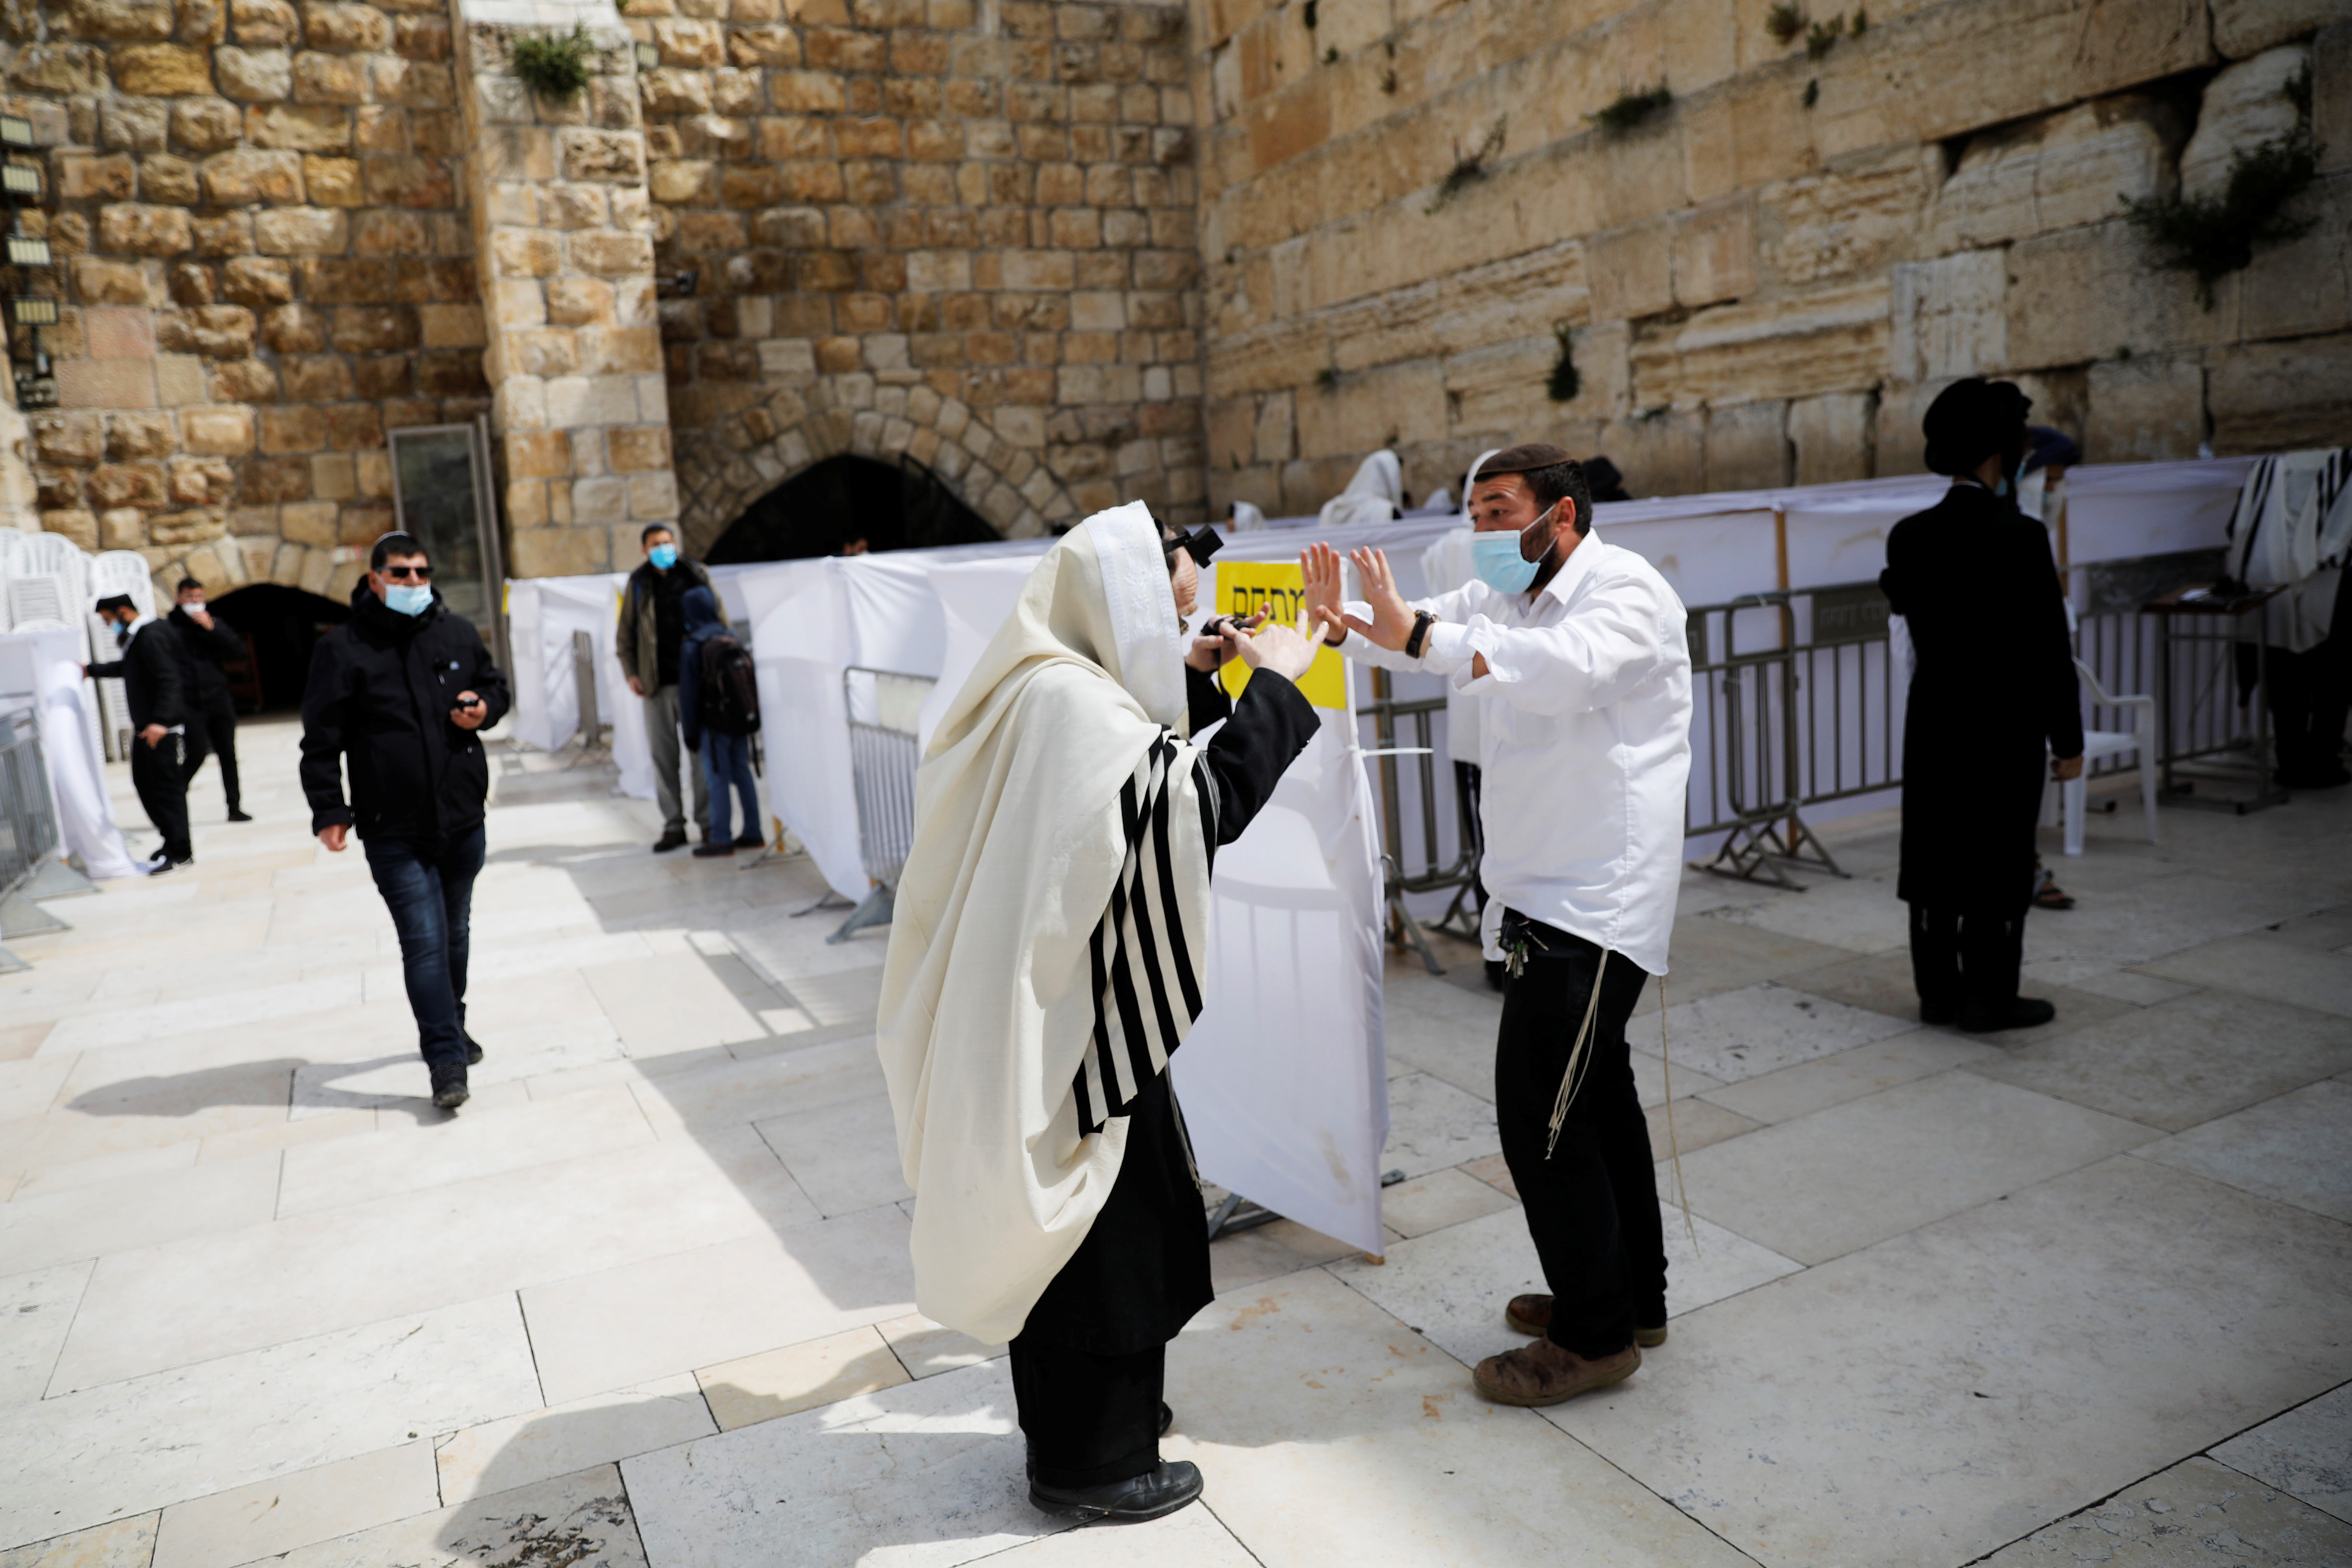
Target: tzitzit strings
x=1571 y=1080
x=1674 y=1145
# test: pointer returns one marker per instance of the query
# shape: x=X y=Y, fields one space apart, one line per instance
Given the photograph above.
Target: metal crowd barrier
x=28 y=828
x=884 y=710
x=1797 y=700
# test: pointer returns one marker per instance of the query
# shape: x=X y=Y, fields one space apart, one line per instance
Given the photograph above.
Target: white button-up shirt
x=1585 y=714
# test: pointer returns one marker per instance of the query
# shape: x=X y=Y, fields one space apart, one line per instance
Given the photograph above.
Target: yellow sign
x=1242 y=587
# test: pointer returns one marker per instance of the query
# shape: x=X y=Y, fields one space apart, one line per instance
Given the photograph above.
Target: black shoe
x=236 y=816
x=749 y=840
x=712 y=852
x=473 y=1052
x=2022 y=1013
x=673 y=840
x=449 y=1091
x=1941 y=1013
x=155 y=866
x=1153 y=1496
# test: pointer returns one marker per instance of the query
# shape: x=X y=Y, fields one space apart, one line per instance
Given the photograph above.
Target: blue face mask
x=663 y=556
x=408 y=598
x=1496 y=558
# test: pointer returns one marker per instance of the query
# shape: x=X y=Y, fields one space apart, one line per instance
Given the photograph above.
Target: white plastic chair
x=2098 y=744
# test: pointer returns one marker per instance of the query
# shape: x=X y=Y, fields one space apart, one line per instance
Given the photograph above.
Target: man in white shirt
x=1577 y=649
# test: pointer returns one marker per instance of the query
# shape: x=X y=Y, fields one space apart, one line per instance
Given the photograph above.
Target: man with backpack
x=719 y=708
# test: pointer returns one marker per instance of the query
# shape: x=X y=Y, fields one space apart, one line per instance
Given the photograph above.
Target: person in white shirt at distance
x=1577 y=649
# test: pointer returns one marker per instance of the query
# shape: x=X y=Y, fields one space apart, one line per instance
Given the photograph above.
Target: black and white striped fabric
x=1147 y=968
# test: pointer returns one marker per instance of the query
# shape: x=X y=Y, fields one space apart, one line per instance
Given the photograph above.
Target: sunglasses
x=403 y=574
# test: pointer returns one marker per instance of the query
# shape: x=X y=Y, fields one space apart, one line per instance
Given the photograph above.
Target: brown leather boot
x=1532 y=1315
x=1541 y=1372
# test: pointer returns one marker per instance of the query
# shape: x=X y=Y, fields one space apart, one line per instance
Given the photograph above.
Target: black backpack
x=730 y=699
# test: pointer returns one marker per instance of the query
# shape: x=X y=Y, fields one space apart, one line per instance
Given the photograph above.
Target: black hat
x=1520 y=459
x=114 y=602
x=1970 y=420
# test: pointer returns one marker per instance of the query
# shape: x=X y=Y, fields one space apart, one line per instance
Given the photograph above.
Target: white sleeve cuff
x=1447 y=647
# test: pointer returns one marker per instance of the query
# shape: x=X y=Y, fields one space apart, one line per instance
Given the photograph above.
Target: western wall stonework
x=1763 y=281
x=1068 y=254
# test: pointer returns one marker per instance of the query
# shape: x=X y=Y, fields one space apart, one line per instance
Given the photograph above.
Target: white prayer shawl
x=990 y=1001
x=1246 y=519
x=2292 y=528
x=1375 y=495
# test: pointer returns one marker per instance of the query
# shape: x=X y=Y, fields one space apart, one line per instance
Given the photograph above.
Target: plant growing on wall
x=2215 y=236
x=1468 y=169
x=554 y=64
x=1784 y=22
x=1564 y=384
x=1630 y=110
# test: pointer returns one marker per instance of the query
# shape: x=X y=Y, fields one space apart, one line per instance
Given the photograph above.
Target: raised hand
x=1392 y=621
x=1286 y=650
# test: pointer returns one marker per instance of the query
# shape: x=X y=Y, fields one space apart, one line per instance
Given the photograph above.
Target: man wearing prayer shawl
x=1992 y=693
x=1047 y=952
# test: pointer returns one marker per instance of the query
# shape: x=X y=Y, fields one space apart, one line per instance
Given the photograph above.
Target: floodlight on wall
x=26 y=311
x=20 y=179
x=26 y=250
x=16 y=131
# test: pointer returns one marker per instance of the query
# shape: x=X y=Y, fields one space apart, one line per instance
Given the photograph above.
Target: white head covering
x=1374 y=495
x=987 y=1006
x=1246 y=519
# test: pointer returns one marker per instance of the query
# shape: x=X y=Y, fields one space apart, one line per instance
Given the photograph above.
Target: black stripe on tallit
x=1114 y=960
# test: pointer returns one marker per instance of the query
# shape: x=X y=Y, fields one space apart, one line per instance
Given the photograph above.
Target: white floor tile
x=2296 y=1148
x=2307 y=1452
x=263 y=1519
x=1758 y=1029
x=540 y=1444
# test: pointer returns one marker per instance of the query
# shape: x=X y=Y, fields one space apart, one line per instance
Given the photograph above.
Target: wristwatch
x=1422 y=621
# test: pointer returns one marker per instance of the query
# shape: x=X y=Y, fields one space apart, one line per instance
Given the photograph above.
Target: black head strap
x=1199 y=543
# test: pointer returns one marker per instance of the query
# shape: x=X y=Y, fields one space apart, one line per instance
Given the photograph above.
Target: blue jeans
x=430 y=892
x=727 y=760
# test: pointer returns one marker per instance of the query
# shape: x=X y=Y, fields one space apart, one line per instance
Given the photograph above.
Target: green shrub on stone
x=554 y=64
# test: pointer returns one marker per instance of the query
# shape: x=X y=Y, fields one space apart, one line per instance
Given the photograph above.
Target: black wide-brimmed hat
x=1969 y=421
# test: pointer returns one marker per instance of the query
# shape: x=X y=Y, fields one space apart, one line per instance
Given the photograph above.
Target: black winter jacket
x=202 y=653
x=382 y=686
x=153 y=678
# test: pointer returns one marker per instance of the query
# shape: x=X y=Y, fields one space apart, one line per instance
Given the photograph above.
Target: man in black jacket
x=204 y=646
x=397 y=694
x=153 y=679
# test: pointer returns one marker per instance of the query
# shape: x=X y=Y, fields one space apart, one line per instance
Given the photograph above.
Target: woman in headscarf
x=1047 y=952
x=1993 y=694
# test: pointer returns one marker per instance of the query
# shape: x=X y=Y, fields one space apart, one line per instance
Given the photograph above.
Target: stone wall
x=1764 y=281
x=257 y=216
x=961 y=231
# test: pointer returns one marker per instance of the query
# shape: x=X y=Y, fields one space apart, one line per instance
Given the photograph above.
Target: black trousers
x=1963 y=959
x=212 y=731
x=1593 y=1204
x=159 y=772
x=1090 y=1419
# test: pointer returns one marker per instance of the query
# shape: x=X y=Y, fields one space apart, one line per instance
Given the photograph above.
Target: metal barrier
x=1797 y=700
x=28 y=818
x=884 y=710
x=1460 y=873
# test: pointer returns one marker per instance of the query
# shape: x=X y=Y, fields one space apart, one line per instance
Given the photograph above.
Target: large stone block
x=2145 y=409
x=1949 y=318
x=301 y=231
x=2080 y=295
x=1832 y=339
x=1968 y=66
x=132 y=228
x=160 y=70
x=205 y=124
x=2274 y=398
x=255 y=76
x=2247 y=105
x=1631 y=272
x=1747 y=446
x=2331 y=96
x=1851 y=219
x=2305 y=286
x=251 y=174
x=2244 y=28
x=1832 y=439
x=1715 y=253
x=345 y=29
x=300 y=127
x=125 y=20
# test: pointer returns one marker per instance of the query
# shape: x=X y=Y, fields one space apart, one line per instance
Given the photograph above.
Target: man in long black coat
x=1993 y=694
x=156 y=688
x=206 y=645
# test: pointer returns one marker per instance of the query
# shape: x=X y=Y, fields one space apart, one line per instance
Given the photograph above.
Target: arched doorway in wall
x=280 y=625
x=831 y=504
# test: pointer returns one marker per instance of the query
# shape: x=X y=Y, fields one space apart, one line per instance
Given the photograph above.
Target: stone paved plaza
x=2082 y=1295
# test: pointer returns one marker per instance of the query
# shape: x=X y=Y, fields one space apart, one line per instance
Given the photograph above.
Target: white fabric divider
x=541 y=614
x=45 y=665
